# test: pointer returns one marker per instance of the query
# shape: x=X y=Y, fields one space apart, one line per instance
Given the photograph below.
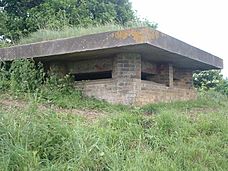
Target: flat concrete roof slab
x=152 y=44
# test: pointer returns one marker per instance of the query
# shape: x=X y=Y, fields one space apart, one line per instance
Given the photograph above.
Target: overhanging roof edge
x=108 y=40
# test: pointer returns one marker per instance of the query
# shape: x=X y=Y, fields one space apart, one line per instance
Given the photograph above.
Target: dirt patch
x=20 y=104
x=194 y=112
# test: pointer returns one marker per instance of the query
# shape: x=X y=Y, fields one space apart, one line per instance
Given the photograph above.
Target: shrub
x=212 y=79
x=25 y=75
x=206 y=80
x=61 y=84
x=223 y=87
x=4 y=76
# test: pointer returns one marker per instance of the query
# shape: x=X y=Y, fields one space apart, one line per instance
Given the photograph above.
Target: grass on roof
x=48 y=34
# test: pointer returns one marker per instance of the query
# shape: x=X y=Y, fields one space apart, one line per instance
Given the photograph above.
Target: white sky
x=201 y=23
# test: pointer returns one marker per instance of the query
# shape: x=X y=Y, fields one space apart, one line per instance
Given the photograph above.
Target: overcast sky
x=201 y=23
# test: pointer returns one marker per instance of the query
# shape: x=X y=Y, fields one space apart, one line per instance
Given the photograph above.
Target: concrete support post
x=127 y=73
x=170 y=75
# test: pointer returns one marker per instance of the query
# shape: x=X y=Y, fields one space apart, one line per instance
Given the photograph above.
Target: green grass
x=173 y=136
x=47 y=34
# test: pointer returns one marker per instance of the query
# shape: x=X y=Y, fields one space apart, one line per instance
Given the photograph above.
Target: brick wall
x=149 y=67
x=125 y=82
x=88 y=66
x=182 y=78
x=125 y=86
x=159 y=73
x=150 y=92
x=164 y=71
x=81 y=66
x=110 y=90
x=101 y=89
x=154 y=93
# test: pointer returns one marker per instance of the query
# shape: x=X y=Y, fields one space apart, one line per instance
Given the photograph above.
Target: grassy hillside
x=52 y=134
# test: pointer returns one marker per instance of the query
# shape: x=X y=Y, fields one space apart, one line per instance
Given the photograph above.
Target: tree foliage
x=212 y=79
x=2 y=23
x=22 y=17
x=207 y=79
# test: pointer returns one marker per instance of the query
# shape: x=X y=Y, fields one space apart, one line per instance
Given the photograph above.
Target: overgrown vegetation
x=21 y=76
x=22 y=17
x=180 y=136
x=18 y=19
x=48 y=34
x=189 y=135
x=26 y=79
x=4 y=77
x=211 y=80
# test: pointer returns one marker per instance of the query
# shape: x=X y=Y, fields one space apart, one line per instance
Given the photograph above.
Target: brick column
x=127 y=65
x=127 y=73
x=183 y=78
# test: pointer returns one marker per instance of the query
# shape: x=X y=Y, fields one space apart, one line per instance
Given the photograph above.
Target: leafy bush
x=19 y=18
x=212 y=79
x=26 y=78
x=207 y=79
x=223 y=87
x=25 y=75
x=4 y=76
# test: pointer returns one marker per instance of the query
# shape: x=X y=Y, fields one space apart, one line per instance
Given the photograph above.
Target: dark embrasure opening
x=146 y=76
x=93 y=76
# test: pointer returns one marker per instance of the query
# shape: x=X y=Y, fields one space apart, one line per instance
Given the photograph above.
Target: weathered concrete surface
x=151 y=44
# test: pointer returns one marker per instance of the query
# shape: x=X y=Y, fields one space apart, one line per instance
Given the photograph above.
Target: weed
x=25 y=75
x=46 y=140
x=4 y=77
x=66 y=32
x=125 y=139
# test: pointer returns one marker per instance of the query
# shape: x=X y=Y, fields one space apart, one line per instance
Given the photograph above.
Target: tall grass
x=66 y=32
x=31 y=139
x=189 y=135
x=27 y=80
x=47 y=34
